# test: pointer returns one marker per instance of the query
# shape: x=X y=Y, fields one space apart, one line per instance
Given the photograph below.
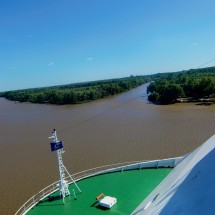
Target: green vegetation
x=164 y=88
x=195 y=84
x=76 y=93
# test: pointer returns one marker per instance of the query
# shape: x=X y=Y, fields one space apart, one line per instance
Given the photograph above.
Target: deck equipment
x=108 y=202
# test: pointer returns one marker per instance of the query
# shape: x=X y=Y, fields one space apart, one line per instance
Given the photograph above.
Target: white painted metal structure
x=63 y=184
x=188 y=189
x=119 y=167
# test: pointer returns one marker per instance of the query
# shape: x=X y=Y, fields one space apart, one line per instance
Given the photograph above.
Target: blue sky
x=52 y=42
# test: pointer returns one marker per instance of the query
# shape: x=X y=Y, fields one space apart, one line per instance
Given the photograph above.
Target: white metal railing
x=171 y=162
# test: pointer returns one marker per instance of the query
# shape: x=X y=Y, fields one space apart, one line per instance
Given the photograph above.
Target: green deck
x=129 y=187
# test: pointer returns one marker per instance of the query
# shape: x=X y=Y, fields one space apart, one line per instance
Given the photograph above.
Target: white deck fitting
x=188 y=189
x=108 y=202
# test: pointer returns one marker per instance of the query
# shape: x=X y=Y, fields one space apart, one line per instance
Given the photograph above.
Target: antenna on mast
x=63 y=184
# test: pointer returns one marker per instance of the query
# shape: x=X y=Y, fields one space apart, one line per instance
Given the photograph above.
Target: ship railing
x=119 y=167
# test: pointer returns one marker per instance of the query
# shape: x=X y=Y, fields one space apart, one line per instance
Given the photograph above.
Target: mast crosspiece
x=63 y=184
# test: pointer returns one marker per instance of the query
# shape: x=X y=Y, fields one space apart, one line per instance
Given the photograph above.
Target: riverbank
x=76 y=93
x=202 y=101
x=195 y=84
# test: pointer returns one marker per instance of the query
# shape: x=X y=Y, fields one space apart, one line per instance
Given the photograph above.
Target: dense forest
x=194 y=85
x=164 y=88
x=76 y=93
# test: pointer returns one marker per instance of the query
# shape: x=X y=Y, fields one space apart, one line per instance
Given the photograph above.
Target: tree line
x=164 y=88
x=76 y=93
x=194 y=84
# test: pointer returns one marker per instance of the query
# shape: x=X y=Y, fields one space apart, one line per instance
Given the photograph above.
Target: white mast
x=63 y=185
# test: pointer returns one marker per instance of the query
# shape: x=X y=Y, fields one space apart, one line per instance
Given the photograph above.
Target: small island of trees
x=192 y=85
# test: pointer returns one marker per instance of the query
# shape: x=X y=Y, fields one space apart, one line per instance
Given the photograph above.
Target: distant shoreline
x=76 y=93
x=202 y=101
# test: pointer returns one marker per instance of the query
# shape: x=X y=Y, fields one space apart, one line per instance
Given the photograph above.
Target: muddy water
x=117 y=129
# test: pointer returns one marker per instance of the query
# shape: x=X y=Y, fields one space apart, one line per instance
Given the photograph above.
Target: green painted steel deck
x=129 y=187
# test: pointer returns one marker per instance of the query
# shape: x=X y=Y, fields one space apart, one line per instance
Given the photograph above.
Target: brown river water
x=116 y=129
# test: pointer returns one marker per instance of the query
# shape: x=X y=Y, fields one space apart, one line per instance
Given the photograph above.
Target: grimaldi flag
x=56 y=145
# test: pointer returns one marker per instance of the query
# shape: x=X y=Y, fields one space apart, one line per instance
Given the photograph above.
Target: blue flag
x=56 y=146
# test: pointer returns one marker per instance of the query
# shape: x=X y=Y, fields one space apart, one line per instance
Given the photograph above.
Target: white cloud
x=89 y=59
x=194 y=44
x=50 y=64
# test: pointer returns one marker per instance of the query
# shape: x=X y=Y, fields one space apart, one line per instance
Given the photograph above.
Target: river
x=122 y=128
